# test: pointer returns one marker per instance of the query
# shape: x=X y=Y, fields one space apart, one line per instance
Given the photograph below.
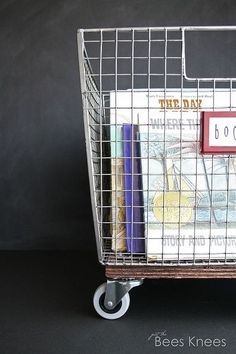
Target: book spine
x=133 y=190
x=118 y=226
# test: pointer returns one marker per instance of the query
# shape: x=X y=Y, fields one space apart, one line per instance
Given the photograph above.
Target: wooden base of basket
x=177 y=272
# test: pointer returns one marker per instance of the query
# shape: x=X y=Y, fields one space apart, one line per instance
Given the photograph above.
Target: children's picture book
x=133 y=189
x=189 y=198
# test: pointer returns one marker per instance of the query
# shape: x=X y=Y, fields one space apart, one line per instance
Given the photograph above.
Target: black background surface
x=45 y=297
x=45 y=202
x=46 y=308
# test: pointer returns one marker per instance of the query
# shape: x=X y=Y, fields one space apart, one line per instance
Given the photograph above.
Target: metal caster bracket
x=116 y=290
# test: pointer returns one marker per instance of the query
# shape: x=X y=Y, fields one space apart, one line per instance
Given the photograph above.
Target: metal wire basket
x=164 y=206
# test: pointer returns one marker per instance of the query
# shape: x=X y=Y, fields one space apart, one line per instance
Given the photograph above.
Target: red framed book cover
x=218 y=132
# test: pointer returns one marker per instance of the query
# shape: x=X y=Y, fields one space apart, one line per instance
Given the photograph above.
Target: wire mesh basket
x=160 y=137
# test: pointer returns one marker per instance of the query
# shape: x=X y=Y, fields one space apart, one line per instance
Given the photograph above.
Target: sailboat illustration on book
x=175 y=205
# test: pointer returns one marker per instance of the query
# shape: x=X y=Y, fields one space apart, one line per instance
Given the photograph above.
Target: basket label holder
x=218 y=132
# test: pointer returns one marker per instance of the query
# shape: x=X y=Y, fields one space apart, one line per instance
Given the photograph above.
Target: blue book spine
x=134 y=207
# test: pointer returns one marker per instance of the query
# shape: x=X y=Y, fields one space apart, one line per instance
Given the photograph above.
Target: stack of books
x=170 y=202
x=127 y=191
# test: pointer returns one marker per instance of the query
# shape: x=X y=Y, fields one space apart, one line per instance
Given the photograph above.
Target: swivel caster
x=111 y=300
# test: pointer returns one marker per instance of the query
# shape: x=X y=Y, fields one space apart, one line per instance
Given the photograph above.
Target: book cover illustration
x=133 y=190
x=190 y=200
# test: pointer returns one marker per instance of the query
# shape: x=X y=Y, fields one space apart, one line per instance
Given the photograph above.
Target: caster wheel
x=117 y=312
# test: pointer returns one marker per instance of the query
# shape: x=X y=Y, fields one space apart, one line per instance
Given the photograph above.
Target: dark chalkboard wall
x=43 y=173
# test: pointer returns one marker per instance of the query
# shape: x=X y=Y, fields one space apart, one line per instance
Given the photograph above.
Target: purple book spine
x=133 y=190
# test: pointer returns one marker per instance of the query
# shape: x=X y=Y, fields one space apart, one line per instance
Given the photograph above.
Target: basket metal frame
x=85 y=69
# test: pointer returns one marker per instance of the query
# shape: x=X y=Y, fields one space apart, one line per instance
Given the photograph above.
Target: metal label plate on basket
x=218 y=133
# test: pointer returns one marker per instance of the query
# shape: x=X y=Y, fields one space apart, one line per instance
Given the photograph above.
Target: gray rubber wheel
x=117 y=312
